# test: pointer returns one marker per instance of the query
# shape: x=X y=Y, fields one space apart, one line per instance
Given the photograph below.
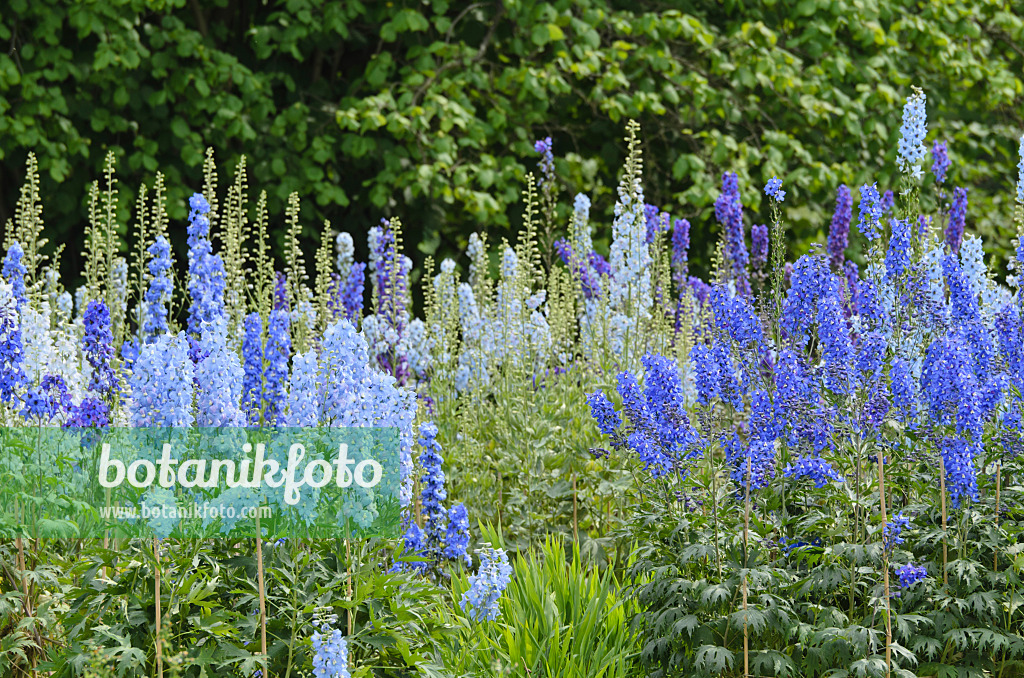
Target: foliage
x=742 y=474
x=558 y=618
x=428 y=110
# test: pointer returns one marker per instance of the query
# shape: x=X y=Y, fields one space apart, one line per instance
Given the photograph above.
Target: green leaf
x=540 y=35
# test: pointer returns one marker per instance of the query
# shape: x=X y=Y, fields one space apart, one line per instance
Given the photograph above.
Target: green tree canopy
x=428 y=109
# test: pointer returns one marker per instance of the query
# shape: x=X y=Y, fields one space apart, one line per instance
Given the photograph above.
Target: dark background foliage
x=428 y=109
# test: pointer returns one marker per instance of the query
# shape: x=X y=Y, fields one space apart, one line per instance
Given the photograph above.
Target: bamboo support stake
x=885 y=563
x=263 y=596
x=999 y=476
x=156 y=577
x=942 y=501
x=348 y=582
x=746 y=533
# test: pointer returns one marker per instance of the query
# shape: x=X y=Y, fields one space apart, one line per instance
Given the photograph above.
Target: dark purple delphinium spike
x=680 y=251
x=277 y=352
x=839 y=229
x=876 y=408
x=252 y=366
x=852 y=280
x=56 y=391
x=700 y=289
x=433 y=484
x=280 y=291
x=887 y=202
x=656 y=221
x=758 y=246
x=547 y=161
x=90 y=413
x=651 y=222
x=940 y=161
x=97 y=347
x=729 y=212
x=563 y=249
x=957 y=220
x=599 y=264
x=589 y=282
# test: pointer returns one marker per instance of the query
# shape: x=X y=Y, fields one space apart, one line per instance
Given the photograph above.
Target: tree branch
x=197 y=10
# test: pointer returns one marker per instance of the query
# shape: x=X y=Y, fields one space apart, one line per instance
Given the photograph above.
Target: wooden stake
x=746 y=533
x=156 y=577
x=999 y=476
x=885 y=563
x=263 y=596
x=348 y=585
x=942 y=502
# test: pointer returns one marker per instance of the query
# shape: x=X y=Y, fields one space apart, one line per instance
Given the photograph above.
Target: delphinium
x=275 y=372
x=957 y=219
x=218 y=379
x=442 y=326
x=14 y=272
x=11 y=354
x=351 y=292
x=162 y=383
x=330 y=653
x=302 y=402
x=159 y=291
x=252 y=365
x=910 y=574
x=657 y=426
x=446 y=533
x=354 y=393
x=389 y=271
x=680 y=252
x=911 y=150
x=758 y=249
x=205 y=272
x=37 y=341
x=729 y=213
x=870 y=211
x=95 y=408
x=487 y=585
x=630 y=258
x=940 y=161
